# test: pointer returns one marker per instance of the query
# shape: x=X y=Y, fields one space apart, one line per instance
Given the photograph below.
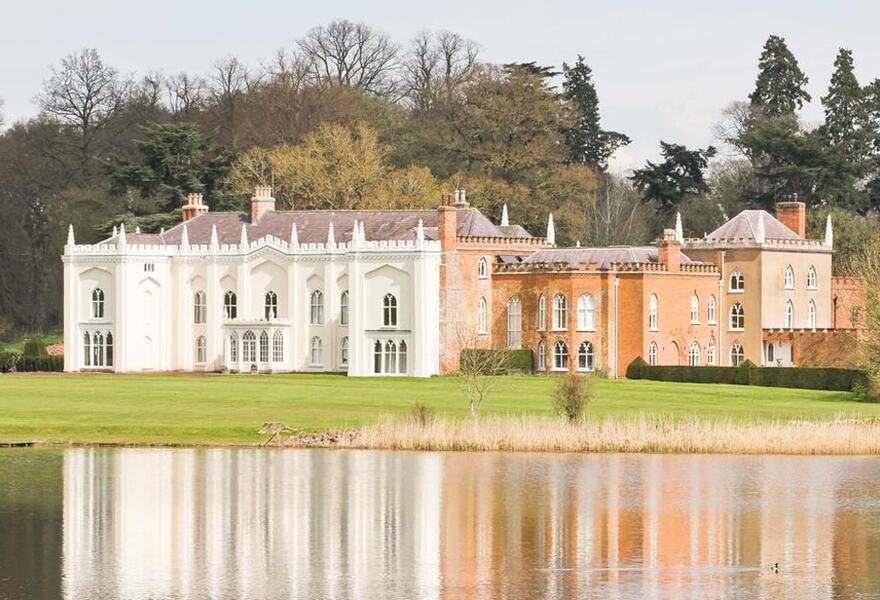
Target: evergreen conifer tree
x=779 y=89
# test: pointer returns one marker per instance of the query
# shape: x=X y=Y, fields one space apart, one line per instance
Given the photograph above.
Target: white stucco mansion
x=354 y=291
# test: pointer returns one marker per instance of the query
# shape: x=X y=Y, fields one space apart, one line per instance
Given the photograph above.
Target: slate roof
x=600 y=256
x=312 y=226
x=745 y=225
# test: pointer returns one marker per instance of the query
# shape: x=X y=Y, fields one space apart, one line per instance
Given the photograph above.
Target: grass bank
x=626 y=434
x=221 y=410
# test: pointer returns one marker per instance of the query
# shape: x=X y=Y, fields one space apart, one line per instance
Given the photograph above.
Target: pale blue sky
x=664 y=70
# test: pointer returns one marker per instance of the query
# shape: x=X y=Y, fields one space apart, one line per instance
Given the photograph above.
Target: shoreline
x=640 y=435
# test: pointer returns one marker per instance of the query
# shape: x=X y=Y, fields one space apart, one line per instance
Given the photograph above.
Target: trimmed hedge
x=518 y=361
x=810 y=378
x=30 y=364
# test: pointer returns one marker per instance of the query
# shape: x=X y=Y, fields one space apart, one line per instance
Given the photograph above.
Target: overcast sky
x=664 y=70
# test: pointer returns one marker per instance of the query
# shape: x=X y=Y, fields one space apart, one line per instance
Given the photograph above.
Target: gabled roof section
x=744 y=226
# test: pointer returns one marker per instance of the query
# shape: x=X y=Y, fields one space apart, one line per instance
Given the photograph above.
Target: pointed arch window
x=389 y=310
x=98 y=349
x=316 y=308
x=542 y=312
x=230 y=305
x=585 y=357
x=694 y=357
x=652 y=354
x=343 y=308
x=711 y=352
x=316 y=352
x=377 y=357
x=87 y=349
x=343 y=352
x=264 y=347
x=249 y=347
x=514 y=323
x=811 y=315
x=789 y=278
x=711 y=310
x=788 y=316
x=201 y=350
x=737 y=282
x=560 y=312
x=482 y=317
x=97 y=303
x=200 y=308
x=278 y=347
x=233 y=348
x=695 y=310
x=391 y=357
x=737 y=317
x=271 y=305
x=483 y=268
x=652 y=313
x=542 y=356
x=812 y=279
x=401 y=357
x=736 y=354
x=560 y=356
x=586 y=316
x=108 y=350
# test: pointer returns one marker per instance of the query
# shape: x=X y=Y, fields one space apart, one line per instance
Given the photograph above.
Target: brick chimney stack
x=262 y=202
x=669 y=251
x=447 y=224
x=193 y=207
x=793 y=214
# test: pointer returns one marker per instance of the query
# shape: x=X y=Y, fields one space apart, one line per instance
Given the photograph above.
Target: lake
x=247 y=523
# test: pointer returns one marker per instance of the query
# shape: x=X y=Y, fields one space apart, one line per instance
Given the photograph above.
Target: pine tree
x=779 y=89
x=588 y=143
x=680 y=175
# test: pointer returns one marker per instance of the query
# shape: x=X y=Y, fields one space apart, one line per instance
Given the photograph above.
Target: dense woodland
x=349 y=118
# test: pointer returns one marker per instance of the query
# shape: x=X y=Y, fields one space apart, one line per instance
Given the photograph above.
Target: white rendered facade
x=132 y=307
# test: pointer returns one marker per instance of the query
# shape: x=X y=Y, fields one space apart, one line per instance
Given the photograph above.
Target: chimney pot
x=261 y=202
x=193 y=207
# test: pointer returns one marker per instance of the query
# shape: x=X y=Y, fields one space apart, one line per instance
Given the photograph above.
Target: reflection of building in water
x=250 y=524
x=322 y=524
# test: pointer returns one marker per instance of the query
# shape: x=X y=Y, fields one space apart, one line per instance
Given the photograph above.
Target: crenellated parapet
x=622 y=267
x=768 y=244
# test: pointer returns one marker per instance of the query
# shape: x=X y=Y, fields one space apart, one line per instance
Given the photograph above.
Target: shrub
x=571 y=396
x=7 y=362
x=34 y=347
x=501 y=361
x=814 y=378
x=31 y=364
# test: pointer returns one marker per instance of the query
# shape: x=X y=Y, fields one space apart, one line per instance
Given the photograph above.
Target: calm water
x=150 y=524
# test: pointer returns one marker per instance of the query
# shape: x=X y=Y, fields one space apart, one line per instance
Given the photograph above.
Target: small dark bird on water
x=774 y=568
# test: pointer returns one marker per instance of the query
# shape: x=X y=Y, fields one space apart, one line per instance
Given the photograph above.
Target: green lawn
x=191 y=409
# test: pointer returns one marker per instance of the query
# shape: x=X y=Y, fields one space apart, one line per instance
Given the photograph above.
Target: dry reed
x=644 y=434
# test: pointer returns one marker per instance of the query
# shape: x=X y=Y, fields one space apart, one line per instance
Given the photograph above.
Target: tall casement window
x=771 y=354
x=377 y=357
x=482 y=317
x=737 y=282
x=811 y=315
x=695 y=309
x=652 y=313
x=711 y=352
x=249 y=347
x=788 y=316
x=108 y=350
x=389 y=357
x=401 y=357
x=586 y=320
x=542 y=312
x=737 y=317
x=483 y=269
x=278 y=347
x=514 y=323
x=711 y=311
x=811 y=278
x=343 y=308
x=694 y=358
x=343 y=352
x=389 y=310
x=316 y=352
x=97 y=349
x=560 y=312
x=233 y=348
x=271 y=305
x=736 y=354
x=316 y=308
x=264 y=347
x=542 y=356
x=200 y=308
x=585 y=357
x=201 y=349
x=652 y=354
x=560 y=356
x=230 y=305
x=789 y=278
x=97 y=303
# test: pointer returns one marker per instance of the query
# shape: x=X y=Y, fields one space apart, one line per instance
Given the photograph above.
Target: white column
x=358 y=344
x=295 y=305
x=72 y=341
x=214 y=321
x=124 y=347
x=425 y=338
x=183 y=341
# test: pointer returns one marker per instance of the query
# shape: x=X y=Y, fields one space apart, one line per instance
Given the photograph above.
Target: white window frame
x=788 y=315
x=587 y=353
x=514 y=323
x=789 y=278
x=249 y=347
x=270 y=305
x=542 y=312
x=97 y=303
x=201 y=350
x=278 y=347
x=586 y=313
x=343 y=352
x=711 y=352
x=230 y=305
x=736 y=355
x=265 y=347
x=812 y=278
x=653 y=317
x=711 y=310
x=695 y=310
x=483 y=268
x=316 y=307
x=389 y=310
x=695 y=355
x=343 y=308
x=652 y=354
x=200 y=308
x=811 y=315
x=560 y=356
x=482 y=317
x=316 y=352
x=737 y=320
x=736 y=283
x=560 y=312
x=542 y=356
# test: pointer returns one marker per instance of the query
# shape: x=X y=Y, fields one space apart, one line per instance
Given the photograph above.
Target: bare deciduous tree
x=227 y=86
x=618 y=216
x=186 y=94
x=437 y=66
x=84 y=93
x=865 y=265
x=478 y=371
x=351 y=54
